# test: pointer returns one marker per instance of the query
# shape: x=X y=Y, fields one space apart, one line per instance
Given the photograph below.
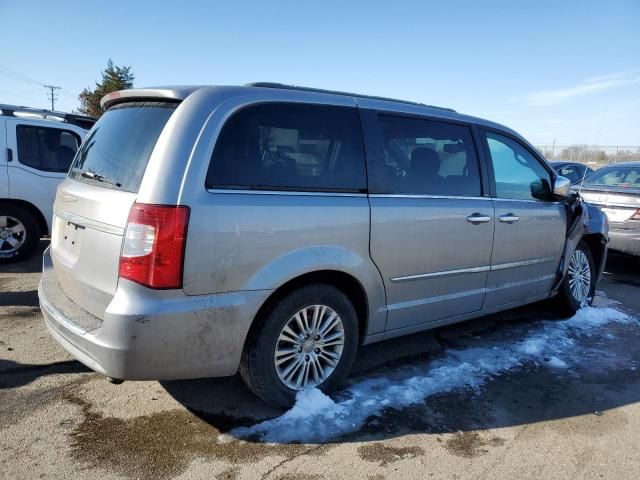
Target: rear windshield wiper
x=96 y=176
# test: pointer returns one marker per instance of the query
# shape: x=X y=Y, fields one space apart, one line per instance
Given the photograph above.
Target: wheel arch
x=343 y=281
x=597 y=244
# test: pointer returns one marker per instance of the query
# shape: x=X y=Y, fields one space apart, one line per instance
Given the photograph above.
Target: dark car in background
x=616 y=190
x=574 y=171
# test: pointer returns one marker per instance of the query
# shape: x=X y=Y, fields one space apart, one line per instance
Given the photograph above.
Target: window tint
x=616 y=176
x=518 y=174
x=425 y=157
x=120 y=144
x=44 y=148
x=290 y=146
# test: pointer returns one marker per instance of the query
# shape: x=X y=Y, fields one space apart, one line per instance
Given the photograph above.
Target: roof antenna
x=584 y=175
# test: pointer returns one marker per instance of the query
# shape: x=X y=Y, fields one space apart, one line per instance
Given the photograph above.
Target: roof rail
x=82 y=121
x=336 y=92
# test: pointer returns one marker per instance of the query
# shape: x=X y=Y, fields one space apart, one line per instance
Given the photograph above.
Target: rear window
x=116 y=151
x=287 y=146
x=616 y=177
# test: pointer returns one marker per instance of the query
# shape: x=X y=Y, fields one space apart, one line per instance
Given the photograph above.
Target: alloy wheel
x=309 y=347
x=12 y=234
x=579 y=276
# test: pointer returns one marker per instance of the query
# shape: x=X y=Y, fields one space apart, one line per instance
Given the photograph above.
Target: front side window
x=45 y=148
x=425 y=157
x=518 y=174
x=292 y=147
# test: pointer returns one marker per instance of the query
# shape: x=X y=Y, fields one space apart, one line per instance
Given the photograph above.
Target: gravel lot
x=539 y=420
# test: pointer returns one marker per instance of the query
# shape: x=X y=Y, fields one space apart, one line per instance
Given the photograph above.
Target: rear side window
x=290 y=147
x=47 y=149
x=425 y=157
x=116 y=151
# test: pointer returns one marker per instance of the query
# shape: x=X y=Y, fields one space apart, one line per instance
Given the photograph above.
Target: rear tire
x=281 y=347
x=579 y=285
x=19 y=233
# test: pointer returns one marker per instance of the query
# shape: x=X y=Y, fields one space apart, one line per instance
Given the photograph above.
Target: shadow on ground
x=14 y=374
x=31 y=264
x=22 y=299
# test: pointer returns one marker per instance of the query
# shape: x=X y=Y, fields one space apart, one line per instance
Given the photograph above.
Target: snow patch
x=555 y=362
x=315 y=417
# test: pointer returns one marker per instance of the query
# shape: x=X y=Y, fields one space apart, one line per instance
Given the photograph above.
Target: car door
x=431 y=226
x=530 y=225
x=41 y=156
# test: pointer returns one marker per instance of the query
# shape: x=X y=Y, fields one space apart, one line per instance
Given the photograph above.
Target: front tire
x=19 y=233
x=309 y=339
x=579 y=285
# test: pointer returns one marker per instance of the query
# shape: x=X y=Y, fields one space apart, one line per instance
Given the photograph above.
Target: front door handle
x=508 y=218
x=476 y=218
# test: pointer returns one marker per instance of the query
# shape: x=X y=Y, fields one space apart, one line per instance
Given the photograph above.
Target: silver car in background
x=272 y=230
x=616 y=190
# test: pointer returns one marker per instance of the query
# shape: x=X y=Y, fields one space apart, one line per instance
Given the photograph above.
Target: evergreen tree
x=113 y=78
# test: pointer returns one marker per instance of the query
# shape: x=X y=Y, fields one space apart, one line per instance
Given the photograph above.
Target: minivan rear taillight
x=154 y=241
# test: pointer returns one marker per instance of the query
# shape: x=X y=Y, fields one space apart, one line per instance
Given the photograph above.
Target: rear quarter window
x=119 y=145
x=288 y=146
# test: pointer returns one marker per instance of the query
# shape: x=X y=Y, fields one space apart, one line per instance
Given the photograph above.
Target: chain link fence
x=593 y=155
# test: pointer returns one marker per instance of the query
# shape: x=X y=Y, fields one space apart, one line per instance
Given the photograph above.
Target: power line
x=7 y=72
x=53 y=96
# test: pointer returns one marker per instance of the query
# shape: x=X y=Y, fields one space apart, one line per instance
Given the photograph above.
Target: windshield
x=116 y=151
x=616 y=177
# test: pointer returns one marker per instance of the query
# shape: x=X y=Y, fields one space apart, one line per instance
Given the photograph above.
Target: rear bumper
x=152 y=334
x=626 y=241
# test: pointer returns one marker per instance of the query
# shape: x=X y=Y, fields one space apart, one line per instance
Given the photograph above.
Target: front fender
x=584 y=221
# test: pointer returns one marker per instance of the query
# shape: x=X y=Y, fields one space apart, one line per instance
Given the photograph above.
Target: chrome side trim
x=522 y=263
x=407 y=195
x=441 y=274
x=441 y=298
x=87 y=222
x=468 y=293
x=520 y=283
x=284 y=192
x=522 y=200
x=485 y=268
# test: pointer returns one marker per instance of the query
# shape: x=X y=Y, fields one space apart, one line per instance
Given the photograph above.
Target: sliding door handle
x=508 y=218
x=476 y=218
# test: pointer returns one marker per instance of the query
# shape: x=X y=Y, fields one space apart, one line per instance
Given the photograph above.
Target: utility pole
x=52 y=94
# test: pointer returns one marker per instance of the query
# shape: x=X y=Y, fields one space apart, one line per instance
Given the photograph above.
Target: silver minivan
x=272 y=230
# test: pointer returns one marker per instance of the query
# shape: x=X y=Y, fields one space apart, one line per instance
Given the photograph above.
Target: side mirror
x=561 y=186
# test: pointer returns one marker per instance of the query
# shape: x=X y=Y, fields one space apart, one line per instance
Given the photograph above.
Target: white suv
x=36 y=150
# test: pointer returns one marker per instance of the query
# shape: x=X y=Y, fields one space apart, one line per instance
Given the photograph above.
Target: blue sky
x=568 y=71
